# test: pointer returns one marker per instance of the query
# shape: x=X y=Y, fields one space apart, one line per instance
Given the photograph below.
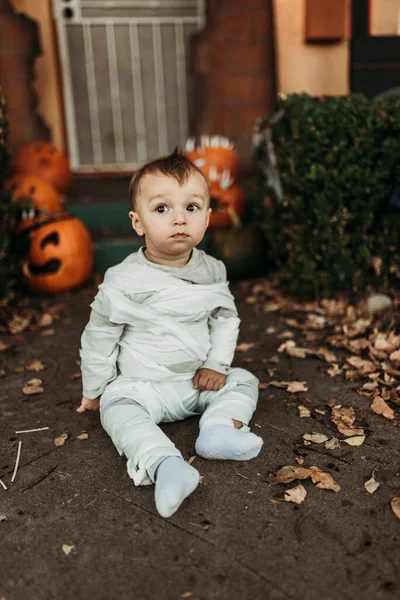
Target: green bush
x=9 y=214
x=335 y=226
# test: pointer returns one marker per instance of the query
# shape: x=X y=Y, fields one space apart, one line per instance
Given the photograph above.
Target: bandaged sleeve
x=224 y=330
x=99 y=352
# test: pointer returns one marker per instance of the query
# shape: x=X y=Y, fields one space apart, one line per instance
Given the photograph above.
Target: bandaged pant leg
x=219 y=439
x=133 y=430
x=236 y=400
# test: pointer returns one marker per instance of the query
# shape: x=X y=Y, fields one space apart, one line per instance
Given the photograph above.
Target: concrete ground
x=73 y=525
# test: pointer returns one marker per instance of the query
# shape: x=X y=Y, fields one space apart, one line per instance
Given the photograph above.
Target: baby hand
x=207 y=379
x=87 y=404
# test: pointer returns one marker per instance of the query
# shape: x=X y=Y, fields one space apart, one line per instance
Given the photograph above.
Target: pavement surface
x=73 y=525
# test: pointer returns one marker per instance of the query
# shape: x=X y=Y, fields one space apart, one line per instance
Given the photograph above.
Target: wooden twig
x=17 y=461
x=3 y=485
x=38 y=480
x=32 y=430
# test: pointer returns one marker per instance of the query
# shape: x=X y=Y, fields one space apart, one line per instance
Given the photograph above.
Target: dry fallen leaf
x=288 y=474
x=380 y=407
x=77 y=375
x=355 y=440
x=35 y=365
x=332 y=444
x=297 y=386
x=372 y=485
x=296 y=494
x=46 y=332
x=3 y=346
x=81 y=436
x=317 y=438
x=245 y=346
x=299 y=459
x=323 y=480
x=304 y=412
x=395 y=356
x=60 y=440
x=343 y=418
x=33 y=386
x=45 y=320
x=67 y=549
x=334 y=370
x=395 y=503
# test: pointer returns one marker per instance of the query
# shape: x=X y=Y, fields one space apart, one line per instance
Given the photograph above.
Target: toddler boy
x=161 y=338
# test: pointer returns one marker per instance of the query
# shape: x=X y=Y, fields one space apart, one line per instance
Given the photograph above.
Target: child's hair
x=175 y=165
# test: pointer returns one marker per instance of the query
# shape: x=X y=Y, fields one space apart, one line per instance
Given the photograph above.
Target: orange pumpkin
x=37 y=198
x=60 y=256
x=43 y=160
x=215 y=157
x=227 y=206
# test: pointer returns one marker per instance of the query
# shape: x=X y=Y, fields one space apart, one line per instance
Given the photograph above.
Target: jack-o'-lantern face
x=60 y=256
x=36 y=198
x=228 y=206
x=43 y=160
x=216 y=158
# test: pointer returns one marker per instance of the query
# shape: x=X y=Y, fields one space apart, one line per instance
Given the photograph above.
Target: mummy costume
x=151 y=328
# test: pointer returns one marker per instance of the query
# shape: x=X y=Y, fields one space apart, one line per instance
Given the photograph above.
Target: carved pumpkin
x=215 y=157
x=228 y=206
x=60 y=256
x=37 y=199
x=43 y=160
x=243 y=251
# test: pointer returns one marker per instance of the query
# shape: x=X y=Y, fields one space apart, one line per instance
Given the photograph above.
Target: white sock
x=222 y=442
x=175 y=480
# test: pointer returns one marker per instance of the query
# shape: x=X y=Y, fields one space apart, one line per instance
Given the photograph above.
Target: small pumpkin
x=243 y=251
x=43 y=160
x=227 y=206
x=60 y=256
x=37 y=199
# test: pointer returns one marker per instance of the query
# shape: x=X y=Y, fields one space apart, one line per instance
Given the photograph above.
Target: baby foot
x=175 y=481
x=222 y=442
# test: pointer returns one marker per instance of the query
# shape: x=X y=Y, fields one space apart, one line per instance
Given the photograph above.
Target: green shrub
x=9 y=213
x=335 y=227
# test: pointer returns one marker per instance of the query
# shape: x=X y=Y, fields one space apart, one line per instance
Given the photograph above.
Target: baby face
x=173 y=217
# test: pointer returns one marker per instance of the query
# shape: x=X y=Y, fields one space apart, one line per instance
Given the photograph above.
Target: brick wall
x=19 y=46
x=234 y=62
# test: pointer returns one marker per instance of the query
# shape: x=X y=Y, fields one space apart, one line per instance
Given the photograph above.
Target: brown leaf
x=317 y=438
x=323 y=480
x=45 y=320
x=67 y=549
x=245 y=346
x=304 y=411
x=297 y=386
x=35 y=365
x=288 y=474
x=32 y=387
x=334 y=370
x=344 y=419
x=380 y=407
x=372 y=485
x=60 y=440
x=3 y=346
x=395 y=356
x=19 y=323
x=77 y=375
x=296 y=494
x=395 y=504
x=81 y=436
x=46 y=332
